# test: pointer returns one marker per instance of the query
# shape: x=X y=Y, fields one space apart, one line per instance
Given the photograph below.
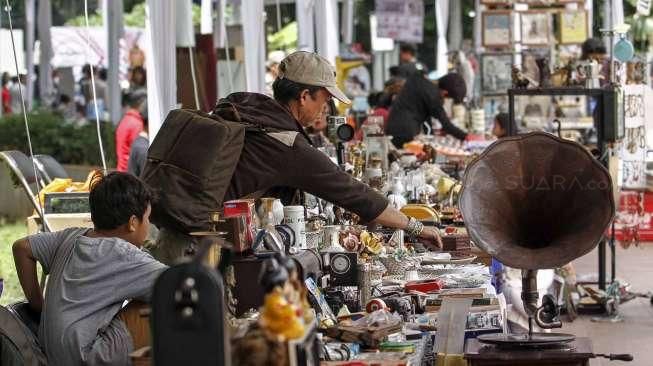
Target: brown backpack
x=189 y=165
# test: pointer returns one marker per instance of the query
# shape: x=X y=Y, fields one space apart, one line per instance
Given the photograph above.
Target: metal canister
x=364 y=284
x=294 y=217
x=369 y=276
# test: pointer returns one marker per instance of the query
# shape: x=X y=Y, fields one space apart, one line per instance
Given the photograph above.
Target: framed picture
x=535 y=28
x=573 y=27
x=496 y=28
x=496 y=73
x=532 y=112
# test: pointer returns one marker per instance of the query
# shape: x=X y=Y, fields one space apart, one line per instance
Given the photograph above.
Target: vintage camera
x=342 y=268
x=338 y=130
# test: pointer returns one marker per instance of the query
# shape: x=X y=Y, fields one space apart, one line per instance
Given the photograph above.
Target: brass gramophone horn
x=536 y=201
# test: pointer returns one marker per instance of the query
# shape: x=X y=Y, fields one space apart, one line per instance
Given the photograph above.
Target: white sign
x=7 y=54
x=379 y=44
x=70 y=45
x=634 y=146
x=401 y=20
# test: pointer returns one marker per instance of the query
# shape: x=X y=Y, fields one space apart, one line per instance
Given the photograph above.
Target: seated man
x=92 y=272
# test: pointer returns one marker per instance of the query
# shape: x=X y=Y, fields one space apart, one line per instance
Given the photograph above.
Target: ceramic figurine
x=636 y=72
x=519 y=81
x=545 y=72
x=281 y=314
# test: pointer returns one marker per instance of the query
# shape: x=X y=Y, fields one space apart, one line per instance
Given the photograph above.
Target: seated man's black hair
x=115 y=198
x=455 y=86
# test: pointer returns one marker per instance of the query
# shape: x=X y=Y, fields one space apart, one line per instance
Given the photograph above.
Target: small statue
x=519 y=80
x=282 y=316
x=545 y=72
x=636 y=72
x=561 y=76
x=580 y=76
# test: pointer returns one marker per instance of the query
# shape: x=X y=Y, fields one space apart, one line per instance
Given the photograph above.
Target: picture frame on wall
x=572 y=26
x=496 y=73
x=535 y=28
x=533 y=112
x=496 y=28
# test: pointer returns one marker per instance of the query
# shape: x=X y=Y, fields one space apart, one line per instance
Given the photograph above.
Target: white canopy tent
x=253 y=19
x=161 y=62
x=327 y=29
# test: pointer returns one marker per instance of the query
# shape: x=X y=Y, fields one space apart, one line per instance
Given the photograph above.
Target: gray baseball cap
x=311 y=69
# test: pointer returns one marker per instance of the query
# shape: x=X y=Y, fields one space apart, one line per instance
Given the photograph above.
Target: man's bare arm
x=26 y=269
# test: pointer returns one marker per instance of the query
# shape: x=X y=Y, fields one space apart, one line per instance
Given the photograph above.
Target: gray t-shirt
x=89 y=280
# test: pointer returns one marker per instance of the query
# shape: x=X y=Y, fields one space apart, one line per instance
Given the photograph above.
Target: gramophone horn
x=536 y=201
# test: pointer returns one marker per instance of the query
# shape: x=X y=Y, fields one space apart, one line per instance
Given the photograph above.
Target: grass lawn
x=8 y=234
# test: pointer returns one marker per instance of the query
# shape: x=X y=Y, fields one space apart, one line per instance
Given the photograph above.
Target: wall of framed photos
x=519 y=32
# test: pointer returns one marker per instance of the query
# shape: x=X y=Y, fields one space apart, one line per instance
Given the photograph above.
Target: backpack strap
x=286 y=137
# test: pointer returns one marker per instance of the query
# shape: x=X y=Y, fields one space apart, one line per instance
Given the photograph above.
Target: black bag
x=188 y=317
x=19 y=345
x=189 y=165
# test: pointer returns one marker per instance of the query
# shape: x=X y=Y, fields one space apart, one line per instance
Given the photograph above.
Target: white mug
x=293 y=216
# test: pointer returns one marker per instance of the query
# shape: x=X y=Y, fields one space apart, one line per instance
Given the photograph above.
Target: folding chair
x=26 y=315
x=49 y=168
x=23 y=171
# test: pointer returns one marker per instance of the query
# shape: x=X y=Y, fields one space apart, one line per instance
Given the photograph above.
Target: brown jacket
x=276 y=162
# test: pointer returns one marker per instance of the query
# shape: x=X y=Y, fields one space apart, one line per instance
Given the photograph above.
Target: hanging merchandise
x=401 y=20
x=633 y=148
x=623 y=49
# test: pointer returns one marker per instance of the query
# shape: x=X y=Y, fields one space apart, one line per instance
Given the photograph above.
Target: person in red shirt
x=6 y=96
x=129 y=128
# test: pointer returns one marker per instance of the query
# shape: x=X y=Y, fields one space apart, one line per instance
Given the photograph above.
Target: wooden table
x=478 y=354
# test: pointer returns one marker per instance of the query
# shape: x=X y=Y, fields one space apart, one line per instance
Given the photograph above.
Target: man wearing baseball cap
x=280 y=161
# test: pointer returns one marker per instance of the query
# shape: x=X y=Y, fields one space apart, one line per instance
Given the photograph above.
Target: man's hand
x=472 y=137
x=431 y=237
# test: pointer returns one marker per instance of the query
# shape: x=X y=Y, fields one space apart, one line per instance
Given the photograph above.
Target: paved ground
x=635 y=334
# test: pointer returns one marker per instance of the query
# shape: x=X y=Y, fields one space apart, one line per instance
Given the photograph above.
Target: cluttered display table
x=376 y=295
x=308 y=284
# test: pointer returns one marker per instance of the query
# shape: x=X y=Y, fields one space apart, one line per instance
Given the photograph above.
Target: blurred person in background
x=67 y=108
x=408 y=63
x=317 y=132
x=16 y=103
x=138 y=153
x=129 y=128
x=6 y=96
x=85 y=84
x=136 y=56
x=138 y=80
x=272 y=69
x=500 y=128
x=419 y=101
